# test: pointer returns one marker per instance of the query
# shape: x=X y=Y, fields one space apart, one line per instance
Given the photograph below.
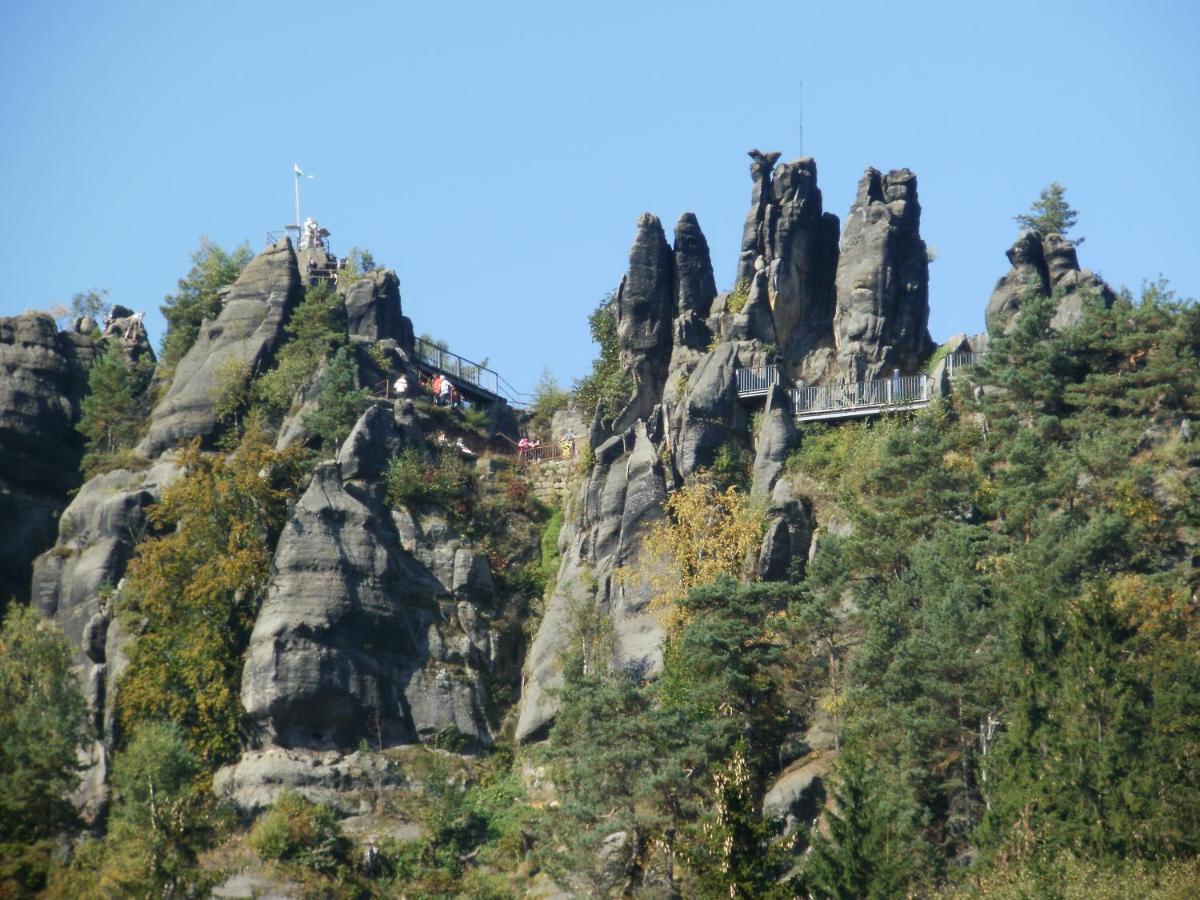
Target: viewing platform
x=473 y=380
x=856 y=400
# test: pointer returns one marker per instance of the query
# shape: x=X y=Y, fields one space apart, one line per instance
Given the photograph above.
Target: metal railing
x=832 y=401
x=962 y=361
x=548 y=452
x=457 y=366
x=899 y=392
x=753 y=382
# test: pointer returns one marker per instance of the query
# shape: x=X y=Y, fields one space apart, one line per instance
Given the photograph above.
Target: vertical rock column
x=882 y=281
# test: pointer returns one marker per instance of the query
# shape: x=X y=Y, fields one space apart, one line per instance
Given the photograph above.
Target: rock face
x=883 y=280
x=645 y=305
x=621 y=499
x=373 y=309
x=374 y=625
x=1043 y=265
x=790 y=245
x=43 y=377
x=695 y=286
x=244 y=335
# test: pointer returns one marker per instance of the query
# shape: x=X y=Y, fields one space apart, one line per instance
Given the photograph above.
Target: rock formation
x=43 y=377
x=623 y=496
x=244 y=335
x=1044 y=265
x=789 y=257
x=372 y=626
x=373 y=309
x=882 y=281
x=645 y=306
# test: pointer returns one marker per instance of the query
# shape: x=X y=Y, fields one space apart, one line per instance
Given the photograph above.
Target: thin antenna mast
x=802 y=118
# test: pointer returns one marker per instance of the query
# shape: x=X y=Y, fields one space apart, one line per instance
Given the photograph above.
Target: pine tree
x=1050 y=213
x=859 y=860
x=339 y=402
x=116 y=405
x=198 y=297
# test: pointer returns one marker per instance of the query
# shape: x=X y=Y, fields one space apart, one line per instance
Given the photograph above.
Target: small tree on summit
x=1050 y=213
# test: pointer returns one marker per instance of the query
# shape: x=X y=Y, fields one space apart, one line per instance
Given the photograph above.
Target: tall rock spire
x=645 y=307
x=882 y=280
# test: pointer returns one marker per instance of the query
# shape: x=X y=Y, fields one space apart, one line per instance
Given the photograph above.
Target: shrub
x=300 y=832
x=412 y=480
x=317 y=329
x=738 y=297
x=339 y=402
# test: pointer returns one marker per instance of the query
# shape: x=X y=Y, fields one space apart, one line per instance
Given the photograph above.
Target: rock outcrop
x=790 y=257
x=373 y=309
x=622 y=498
x=43 y=377
x=883 y=281
x=1044 y=265
x=645 y=306
x=243 y=337
x=374 y=624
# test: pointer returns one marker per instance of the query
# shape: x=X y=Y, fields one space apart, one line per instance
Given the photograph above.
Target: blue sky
x=497 y=155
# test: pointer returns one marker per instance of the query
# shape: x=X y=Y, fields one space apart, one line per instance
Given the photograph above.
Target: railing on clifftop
x=853 y=400
x=464 y=370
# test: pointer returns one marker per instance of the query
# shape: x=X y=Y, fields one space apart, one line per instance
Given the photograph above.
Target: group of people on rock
x=443 y=390
x=527 y=447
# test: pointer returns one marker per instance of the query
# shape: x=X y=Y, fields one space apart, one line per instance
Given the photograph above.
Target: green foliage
x=93 y=303
x=116 y=406
x=358 y=263
x=548 y=398
x=861 y=857
x=608 y=384
x=197 y=297
x=193 y=590
x=43 y=724
x=160 y=821
x=739 y=296
x=731 y=466
x=1017 y=578
x=230 y=390
x=412 y=480
x=1050 y=213
x=316 y=331
x=306 y=834
x=339 y=401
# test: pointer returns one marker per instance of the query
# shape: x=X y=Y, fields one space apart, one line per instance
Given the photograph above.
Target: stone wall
x=553 y=480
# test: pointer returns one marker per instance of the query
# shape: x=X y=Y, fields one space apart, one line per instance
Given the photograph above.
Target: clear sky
x=497 y=155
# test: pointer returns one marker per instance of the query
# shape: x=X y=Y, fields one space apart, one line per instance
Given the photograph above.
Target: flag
x=299 y=174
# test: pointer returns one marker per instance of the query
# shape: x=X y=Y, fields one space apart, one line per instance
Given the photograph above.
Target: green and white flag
x=299 y=174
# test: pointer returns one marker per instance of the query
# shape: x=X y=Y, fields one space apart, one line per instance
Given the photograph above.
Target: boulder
x=882 y=281
x=243 y=336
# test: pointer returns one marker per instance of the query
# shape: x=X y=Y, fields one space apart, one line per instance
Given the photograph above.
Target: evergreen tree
x=608 y=384
x=1050 y=213
x=860 y=859
x=197 y=297
x=116 y=405
x=339 y=403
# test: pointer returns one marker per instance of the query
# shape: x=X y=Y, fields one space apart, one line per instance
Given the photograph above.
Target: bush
x=339 y=402
x=412 y=480
x=300 y=832
x=317 y=329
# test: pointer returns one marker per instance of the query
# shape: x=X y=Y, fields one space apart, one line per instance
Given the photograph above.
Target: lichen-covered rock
x=244 y=335
x=43 y=377
x=373 y=309
x=695 y=285
x=882 y=281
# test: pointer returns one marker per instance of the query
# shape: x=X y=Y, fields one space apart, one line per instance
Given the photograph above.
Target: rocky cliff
x=43 y=377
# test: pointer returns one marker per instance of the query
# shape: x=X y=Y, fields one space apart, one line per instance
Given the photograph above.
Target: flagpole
x=296 y=178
